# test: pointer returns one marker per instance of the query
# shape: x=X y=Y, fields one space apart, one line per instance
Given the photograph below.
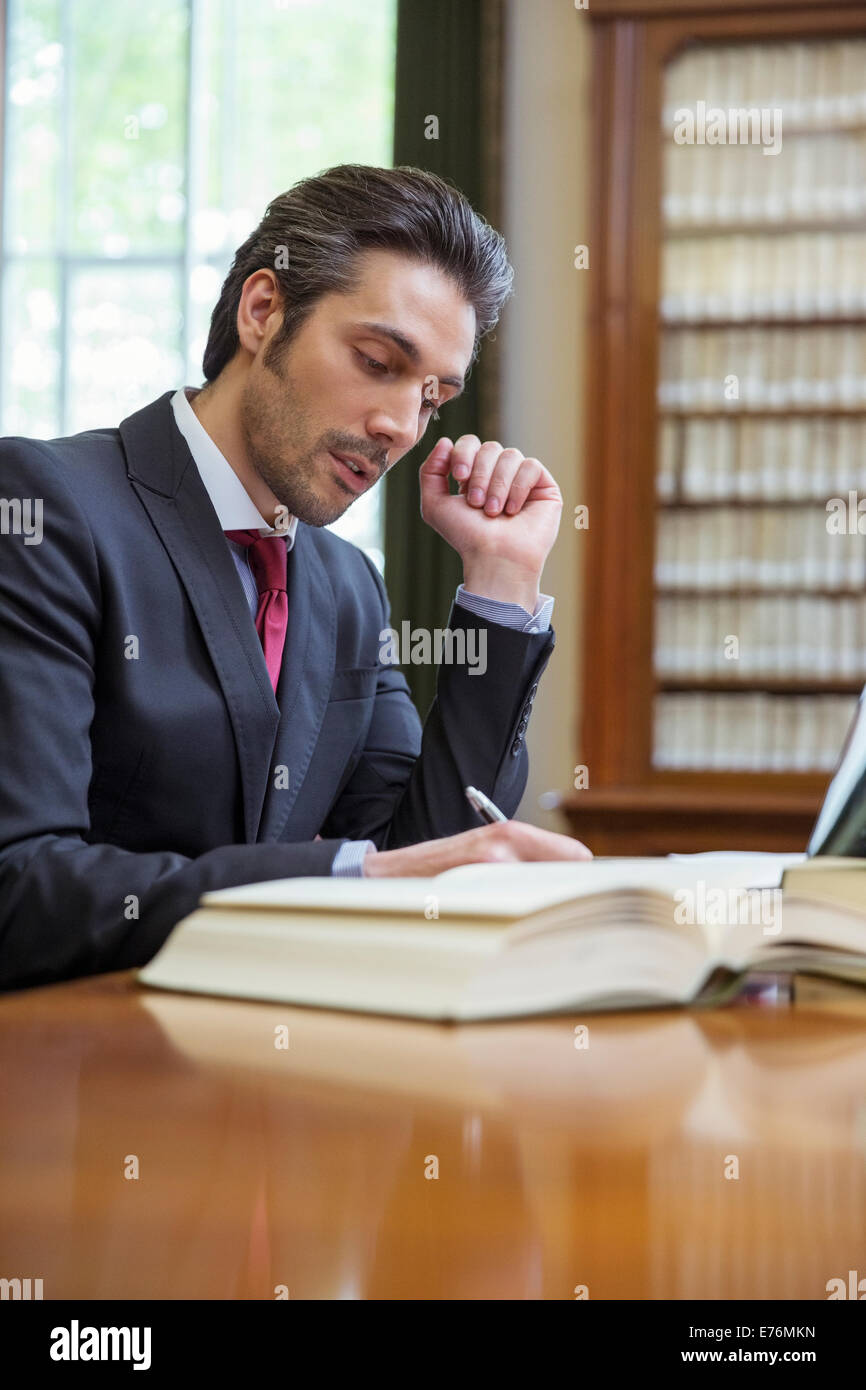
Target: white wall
x=545 y=214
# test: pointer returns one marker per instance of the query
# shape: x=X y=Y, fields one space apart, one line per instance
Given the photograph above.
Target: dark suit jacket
x=144 y=756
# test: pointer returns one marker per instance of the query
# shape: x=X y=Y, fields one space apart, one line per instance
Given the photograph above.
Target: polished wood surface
x=558 y=1166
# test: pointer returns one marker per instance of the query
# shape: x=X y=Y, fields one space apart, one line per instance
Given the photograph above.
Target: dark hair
x=311 y=236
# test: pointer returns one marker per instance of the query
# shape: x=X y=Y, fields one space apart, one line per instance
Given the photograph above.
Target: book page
x=336 y=894
x=706 y=890
x=763 y=870
x=506 y=891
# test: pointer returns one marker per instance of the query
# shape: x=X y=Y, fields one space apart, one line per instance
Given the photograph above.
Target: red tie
x=267 y=556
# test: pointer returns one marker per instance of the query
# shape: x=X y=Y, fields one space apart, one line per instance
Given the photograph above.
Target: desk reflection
x=313 y=1168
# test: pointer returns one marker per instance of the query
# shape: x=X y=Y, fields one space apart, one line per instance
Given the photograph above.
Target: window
x=142 y=145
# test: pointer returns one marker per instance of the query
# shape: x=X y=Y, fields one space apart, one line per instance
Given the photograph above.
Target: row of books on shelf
x=744 y=638
x=761 y=547
x=739 y=277
x=762 y=368
x=761 y=459
x=818 y=83
x=805 y=180
x=750 y=732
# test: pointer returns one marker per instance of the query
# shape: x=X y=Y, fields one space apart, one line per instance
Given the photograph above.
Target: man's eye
x=373 y=364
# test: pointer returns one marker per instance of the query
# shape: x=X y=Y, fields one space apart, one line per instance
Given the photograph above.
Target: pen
x=483 y=805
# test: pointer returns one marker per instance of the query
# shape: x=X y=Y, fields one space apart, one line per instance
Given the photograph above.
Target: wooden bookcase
x=652 y=784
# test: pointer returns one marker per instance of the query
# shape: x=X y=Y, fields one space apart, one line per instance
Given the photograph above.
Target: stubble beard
x=267 y=441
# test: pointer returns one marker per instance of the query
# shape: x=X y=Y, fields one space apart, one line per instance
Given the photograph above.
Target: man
x=191 y=678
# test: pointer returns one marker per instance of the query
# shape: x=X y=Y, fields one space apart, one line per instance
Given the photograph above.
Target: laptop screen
x=841 y=824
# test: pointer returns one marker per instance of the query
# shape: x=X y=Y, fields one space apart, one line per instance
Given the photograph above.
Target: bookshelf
x=724 y=573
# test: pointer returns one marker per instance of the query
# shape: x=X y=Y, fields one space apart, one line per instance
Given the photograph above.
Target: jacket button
x=515 y=747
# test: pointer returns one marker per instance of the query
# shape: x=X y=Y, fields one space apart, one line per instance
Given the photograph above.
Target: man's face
x=344 y=384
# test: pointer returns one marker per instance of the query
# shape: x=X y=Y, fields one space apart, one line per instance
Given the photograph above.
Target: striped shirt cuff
x=508 y=614
x=349 y=860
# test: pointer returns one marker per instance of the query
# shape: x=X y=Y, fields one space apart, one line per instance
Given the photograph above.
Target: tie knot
x=267 y=556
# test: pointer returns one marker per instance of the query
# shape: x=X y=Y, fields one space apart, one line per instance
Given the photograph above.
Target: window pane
x=124 y=342
x=205 y=283
x=288 y=87
x=30 y=349
x=128 y=119
x=33 y=105
x=363 y=524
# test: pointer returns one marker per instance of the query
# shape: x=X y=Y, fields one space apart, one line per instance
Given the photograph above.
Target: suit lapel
x=169 y=486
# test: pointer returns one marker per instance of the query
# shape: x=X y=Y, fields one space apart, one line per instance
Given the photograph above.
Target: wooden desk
x=305 y=1167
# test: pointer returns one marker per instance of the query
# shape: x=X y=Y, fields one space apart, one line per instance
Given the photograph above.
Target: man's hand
x=505 y=842
x=502 y=522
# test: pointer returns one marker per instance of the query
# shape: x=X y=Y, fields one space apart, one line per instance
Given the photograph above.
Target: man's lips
x=359 y=482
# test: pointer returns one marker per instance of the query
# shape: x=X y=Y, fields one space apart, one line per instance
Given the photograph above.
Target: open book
x=503 y=940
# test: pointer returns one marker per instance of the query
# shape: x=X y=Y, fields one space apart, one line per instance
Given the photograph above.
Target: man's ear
x=260 y=298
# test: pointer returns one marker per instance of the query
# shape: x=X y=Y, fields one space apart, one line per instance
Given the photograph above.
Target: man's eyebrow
x=411 y=350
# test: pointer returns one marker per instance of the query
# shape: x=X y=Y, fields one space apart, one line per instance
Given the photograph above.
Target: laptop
x=841 y=824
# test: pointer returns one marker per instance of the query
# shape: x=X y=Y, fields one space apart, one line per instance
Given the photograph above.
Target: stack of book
x=498 y=940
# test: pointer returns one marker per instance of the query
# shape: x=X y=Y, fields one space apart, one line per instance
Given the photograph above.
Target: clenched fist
x=502 y=521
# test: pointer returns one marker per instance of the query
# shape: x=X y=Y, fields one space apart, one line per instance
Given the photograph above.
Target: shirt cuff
x=511 y=615
x=349 y=859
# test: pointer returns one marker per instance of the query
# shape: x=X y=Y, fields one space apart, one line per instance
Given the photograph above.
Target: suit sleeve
x=69 y=907
x=408 y=784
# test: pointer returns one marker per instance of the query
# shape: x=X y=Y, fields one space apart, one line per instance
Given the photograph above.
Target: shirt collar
x=231 y=501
